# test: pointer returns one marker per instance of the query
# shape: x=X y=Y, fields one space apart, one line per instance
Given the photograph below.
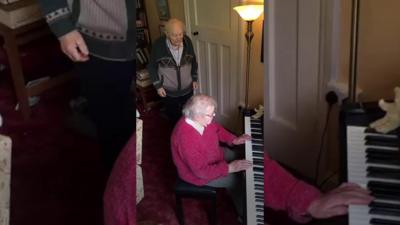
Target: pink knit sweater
x=199 y=158
x=282 y=191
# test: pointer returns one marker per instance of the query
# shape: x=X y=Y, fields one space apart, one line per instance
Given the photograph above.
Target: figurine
x=391 y=120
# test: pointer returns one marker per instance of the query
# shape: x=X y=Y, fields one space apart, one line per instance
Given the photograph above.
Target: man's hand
x=195 y=85
x=238 y=165
x=73 y=45
x=335 y=203
x=241 y=139
x=161 y=92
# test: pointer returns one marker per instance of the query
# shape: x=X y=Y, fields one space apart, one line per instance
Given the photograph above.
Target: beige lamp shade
x=249 y=12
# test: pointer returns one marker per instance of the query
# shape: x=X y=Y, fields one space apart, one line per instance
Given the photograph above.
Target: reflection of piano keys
x=255 y=175
x=373 y=161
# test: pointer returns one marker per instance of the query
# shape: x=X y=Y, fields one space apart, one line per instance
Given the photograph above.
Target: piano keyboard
x=373 y=161
x=255 y=175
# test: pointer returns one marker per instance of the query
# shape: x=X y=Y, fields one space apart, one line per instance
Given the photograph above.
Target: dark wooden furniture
x=13 y=39
x=147 y=96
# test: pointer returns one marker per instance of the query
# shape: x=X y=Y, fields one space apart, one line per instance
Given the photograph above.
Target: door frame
x=238 y=99
x=328 y=64
x=241 y=48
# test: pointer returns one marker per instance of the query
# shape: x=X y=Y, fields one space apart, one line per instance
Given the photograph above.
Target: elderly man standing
x=197 y=154
x=173 y=68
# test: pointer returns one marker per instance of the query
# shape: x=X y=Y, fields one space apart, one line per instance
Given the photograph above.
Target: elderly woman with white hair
x=201 y=161
x=197 y=154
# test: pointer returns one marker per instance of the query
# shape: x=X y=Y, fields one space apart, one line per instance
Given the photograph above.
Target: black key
x=258 y=169
x=381 y=172
x=378 y=150
x=259 y=198
x=260 y=206
x=256 y=125
x=256 y=131
x=385 y=139
x=258 y=161
x=259 y=179
x=386 y=154
x=379 y=208
x=259 y=186
x=257 y=154
x=384 y=196
x=257 y=136
x=373 y=131
x=384 y=161
x=381 y=184
x=257 y=148
x=258 y=176
x=384 y=190
x=381 y=143
x=376 y=221
x=384 y=205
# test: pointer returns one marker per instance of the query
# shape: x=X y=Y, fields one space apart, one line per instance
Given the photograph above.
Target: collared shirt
x=175 y=51
x=195 y=125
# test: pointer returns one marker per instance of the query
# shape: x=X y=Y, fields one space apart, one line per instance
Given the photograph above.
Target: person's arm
x=282 y=191
x=224 y=136
x=241 y=139
x=303 y=201
x=228 y=138
x=152 y=66
x=194 y=157
x=336 y=201
x=58 y=16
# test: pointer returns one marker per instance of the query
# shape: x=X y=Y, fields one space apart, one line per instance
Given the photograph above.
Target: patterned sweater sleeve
x=285 y=192
x=58 y=15
x=152 y=66
x=193 y=154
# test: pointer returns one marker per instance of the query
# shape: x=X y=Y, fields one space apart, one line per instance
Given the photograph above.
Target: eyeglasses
x=210 y=115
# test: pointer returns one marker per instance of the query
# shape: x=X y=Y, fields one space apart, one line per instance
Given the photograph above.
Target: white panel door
x=292 y=85
x=213 y=27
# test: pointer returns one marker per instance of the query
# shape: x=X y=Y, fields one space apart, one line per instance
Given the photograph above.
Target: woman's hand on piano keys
x=336 y=202
x=241 y=139
x=238 y=165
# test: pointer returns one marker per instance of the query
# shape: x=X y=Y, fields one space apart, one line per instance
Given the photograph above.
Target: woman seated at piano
x=200 y=160
x=198 y=156
x=301 y=201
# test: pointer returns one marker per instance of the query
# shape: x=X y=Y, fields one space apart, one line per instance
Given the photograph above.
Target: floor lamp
x=249 y=13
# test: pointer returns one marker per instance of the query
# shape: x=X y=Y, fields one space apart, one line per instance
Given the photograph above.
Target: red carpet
x=56 y=172
x=56 y=177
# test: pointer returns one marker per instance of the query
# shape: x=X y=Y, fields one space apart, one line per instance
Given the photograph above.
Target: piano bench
x=185 y=190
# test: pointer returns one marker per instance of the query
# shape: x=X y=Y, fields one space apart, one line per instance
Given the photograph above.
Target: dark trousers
x=174 y=105
x=106 y=85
